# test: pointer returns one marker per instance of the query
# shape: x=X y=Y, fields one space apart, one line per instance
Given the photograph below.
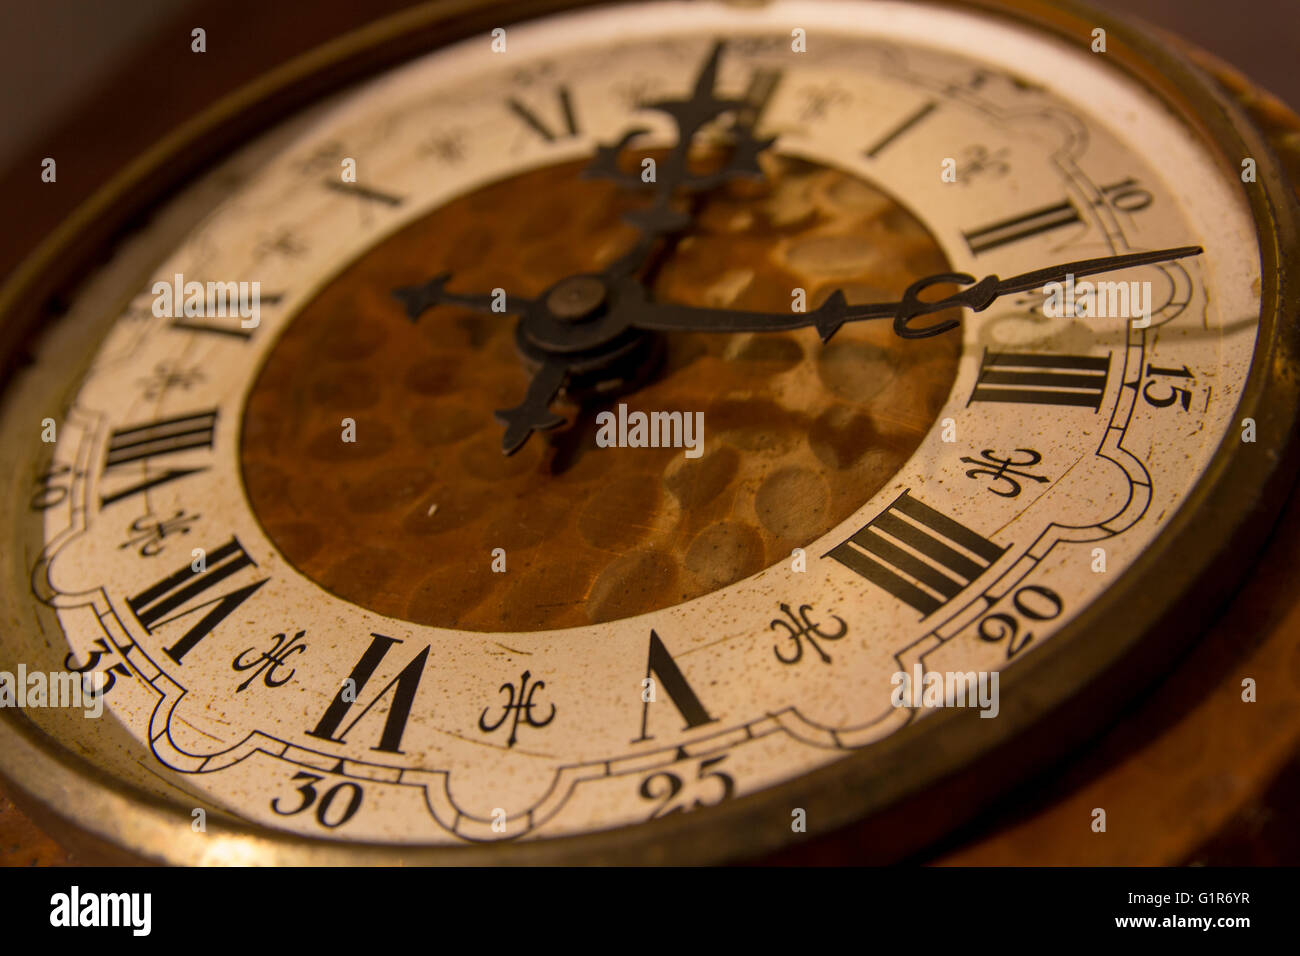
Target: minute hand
x=836 y=311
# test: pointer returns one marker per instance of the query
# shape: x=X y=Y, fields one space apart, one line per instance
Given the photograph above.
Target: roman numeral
x=1022 y=227
x=363 y=192
x=538 y=126
x=664 y=669
x=174 y=597
x=902 y=128
x=1035 y=379
x=917 y=554
x=758 y=94
x=162 y=437
x=233 y=327
x=403 y=688
x=165 y=437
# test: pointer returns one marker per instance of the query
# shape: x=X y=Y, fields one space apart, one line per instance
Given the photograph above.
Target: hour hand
x=418 y=299
x=534 y=412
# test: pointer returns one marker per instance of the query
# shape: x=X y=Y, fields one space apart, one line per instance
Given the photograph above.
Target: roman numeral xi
x=917 y=554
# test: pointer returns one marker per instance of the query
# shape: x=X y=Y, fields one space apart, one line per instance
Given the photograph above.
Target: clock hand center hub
x=576 y=299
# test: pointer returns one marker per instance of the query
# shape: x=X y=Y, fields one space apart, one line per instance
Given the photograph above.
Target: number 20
x=995 y=627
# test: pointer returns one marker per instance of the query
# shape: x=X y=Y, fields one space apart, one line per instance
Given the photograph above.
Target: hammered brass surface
x=797 y=434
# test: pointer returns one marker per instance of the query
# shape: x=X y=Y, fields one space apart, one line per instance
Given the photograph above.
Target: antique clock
x=657 y=432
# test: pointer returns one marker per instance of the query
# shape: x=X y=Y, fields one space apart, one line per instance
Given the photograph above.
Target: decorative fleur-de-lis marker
x=267 y=664
x=522 y=706
x=800 y=628
x=1002 y=469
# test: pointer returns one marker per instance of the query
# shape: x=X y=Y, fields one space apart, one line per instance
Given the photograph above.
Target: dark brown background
x=1188 y=774
x=54 y=51
x=57 y=57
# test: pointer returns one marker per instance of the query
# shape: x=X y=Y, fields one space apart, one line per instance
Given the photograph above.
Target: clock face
x=560 y=432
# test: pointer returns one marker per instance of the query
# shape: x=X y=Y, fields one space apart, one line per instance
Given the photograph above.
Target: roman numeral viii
x=183 y=593
x=917 y=554
x=1039 y=379
x=167 y=436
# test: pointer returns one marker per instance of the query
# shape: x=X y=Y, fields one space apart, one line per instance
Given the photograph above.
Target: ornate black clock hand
x=534 y=412
x=673 y=177
x=586 y=321
x=835 y=311
x=690 y=116
x=420 y=298
x=552 y=325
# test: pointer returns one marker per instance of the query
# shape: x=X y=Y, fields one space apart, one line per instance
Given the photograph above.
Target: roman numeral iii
x=1030 y=378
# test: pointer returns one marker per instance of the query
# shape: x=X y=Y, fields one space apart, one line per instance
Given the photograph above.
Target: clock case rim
x=903 y=792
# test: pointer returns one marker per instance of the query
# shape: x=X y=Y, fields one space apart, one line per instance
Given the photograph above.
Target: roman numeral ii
x=1022 y=227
